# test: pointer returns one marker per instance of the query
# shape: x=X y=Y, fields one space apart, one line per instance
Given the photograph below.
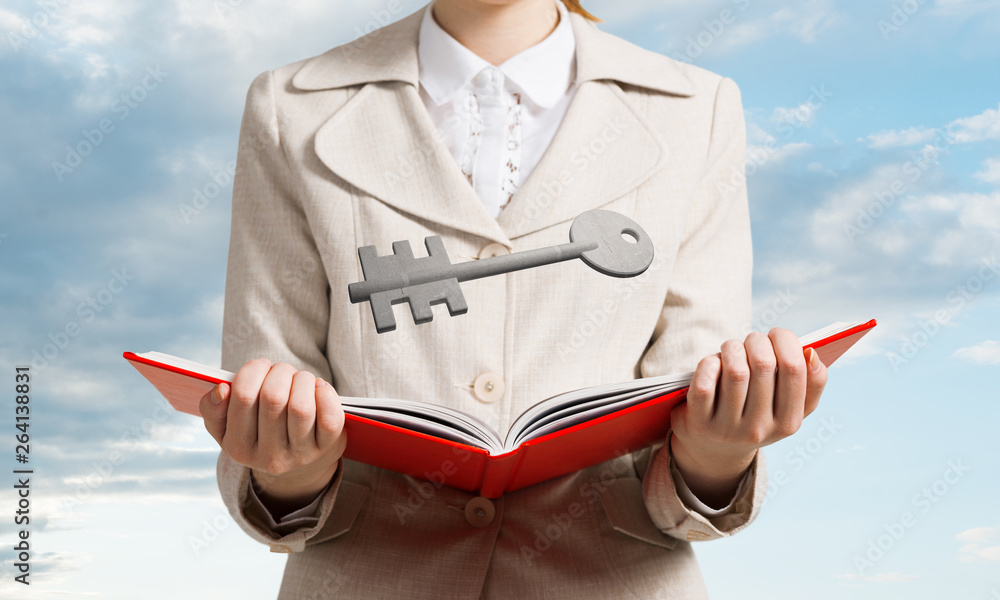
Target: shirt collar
x=544 y=71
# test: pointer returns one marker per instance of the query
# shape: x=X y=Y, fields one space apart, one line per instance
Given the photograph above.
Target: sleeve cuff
x=692 y=501
x=306 y=516
x=679 y=518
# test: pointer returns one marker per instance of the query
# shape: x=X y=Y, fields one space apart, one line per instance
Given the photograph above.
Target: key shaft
x=476 y=269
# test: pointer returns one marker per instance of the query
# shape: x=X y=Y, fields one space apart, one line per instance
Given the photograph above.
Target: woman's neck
x=497 y=32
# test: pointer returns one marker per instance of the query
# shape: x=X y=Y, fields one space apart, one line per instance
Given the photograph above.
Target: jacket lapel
x=601 y=150
x=604 y=146
x=383 y=142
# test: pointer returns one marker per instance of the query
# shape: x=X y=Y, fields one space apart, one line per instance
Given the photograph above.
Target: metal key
x=607 y=241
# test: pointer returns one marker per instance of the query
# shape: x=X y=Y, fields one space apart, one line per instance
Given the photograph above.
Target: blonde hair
x=574 y=6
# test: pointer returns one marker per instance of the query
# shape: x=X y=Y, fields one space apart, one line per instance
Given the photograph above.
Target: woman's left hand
x=749 y=395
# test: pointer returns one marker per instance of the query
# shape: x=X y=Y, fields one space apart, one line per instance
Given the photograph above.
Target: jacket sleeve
x=708 y=302
x=276 y=302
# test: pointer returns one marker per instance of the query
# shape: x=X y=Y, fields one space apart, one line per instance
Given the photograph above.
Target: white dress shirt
x=496 y=121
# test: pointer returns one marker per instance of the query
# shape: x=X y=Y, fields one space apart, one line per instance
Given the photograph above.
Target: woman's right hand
x=286 y=425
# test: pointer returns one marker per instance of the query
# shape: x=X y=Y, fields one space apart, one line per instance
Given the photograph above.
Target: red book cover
x=466 y=466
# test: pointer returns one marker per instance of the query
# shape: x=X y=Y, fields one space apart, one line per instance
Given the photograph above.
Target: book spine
x=498 y=470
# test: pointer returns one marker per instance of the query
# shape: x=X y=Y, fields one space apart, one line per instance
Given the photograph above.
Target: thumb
x=815 y=380
x=214 y=406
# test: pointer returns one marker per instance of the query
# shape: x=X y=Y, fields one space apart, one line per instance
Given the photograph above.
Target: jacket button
x=488 y=387
x=492 y=250
x=479 y=512
x=280 y=548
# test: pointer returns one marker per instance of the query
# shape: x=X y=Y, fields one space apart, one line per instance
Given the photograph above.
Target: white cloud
x=979 y=534
x=844 y=205
x=893 y=577
x=962 y=8
x=979 y=210
x=743 y=34
x=11 y=21
x=803 y=114
x=960 y=228
x=757 y=134
x=797 y=273
x=983 y=544
x=984 y=126
x=895 y=138
x=975 y=211
x=855 y=447
x=806 y=20
x=803 y=20
x=760 y=157
x=986 y=353
x=990 y=172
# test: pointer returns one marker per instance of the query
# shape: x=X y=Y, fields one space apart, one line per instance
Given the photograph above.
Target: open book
x=559 y=435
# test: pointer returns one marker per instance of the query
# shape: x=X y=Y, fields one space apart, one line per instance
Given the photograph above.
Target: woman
x=493 y=125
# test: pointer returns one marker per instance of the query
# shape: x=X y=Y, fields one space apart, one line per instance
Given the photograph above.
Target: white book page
x=551 y=414
x=573 y=418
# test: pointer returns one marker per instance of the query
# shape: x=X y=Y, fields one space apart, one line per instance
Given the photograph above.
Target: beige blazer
x=338 y=152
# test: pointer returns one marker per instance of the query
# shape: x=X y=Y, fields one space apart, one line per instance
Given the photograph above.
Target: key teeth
x=402 y=248
x=381 y=303
x=368 y=256
x=422 y=297
x=435 y=247
x=454 y=298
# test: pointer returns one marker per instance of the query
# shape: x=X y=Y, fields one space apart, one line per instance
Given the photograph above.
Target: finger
x=704 y=384
x=241 y=418
x=679 y=416
x=213 y=408
x=759 y=407
x=272 y=410
x=733 y=383
x=302 y=413
x=815 y=381
x=790 y=391
x=329 y=418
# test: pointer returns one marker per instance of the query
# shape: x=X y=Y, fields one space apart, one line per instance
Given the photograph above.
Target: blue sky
x=874 y=180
